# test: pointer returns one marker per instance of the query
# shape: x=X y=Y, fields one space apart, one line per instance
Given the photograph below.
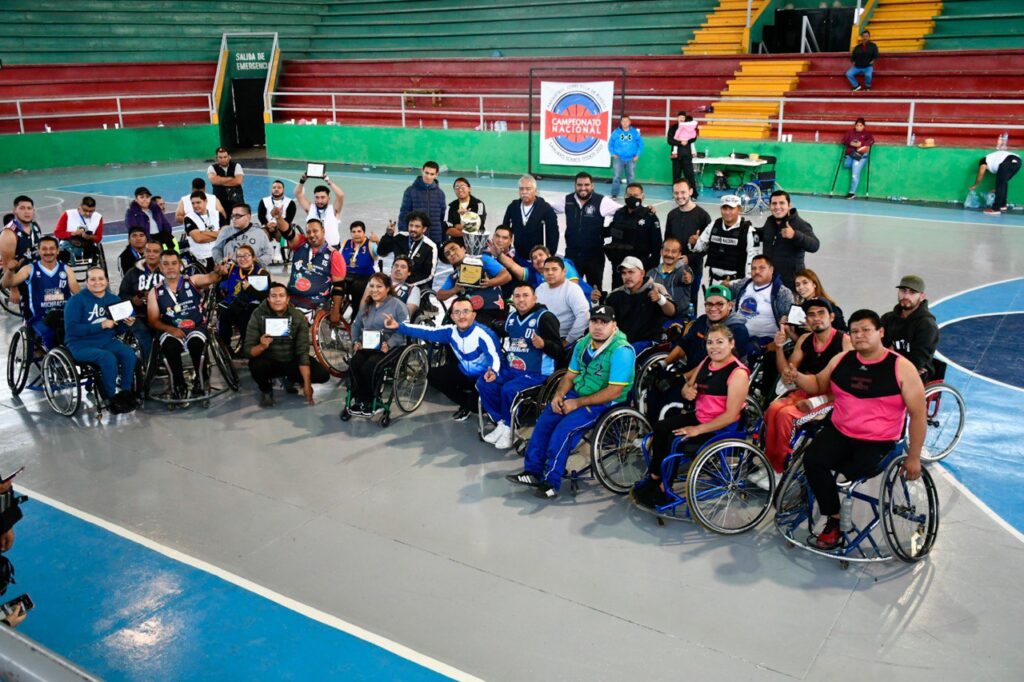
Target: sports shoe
x=495 y=434
x=358 y=408
x=505 y=441
x=760 y=478
x=829 y=537
x=992 y=211
x=524 y=478
x=545 y=492
x=856 y=88
x=291 y=388
x=850 y=195
x=462 y=415
x=267 y=399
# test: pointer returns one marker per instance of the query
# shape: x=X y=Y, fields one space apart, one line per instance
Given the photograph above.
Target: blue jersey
x=520 y=353
x=360 y=261
x=488 y=298
x=45 y=290
x=27 y=237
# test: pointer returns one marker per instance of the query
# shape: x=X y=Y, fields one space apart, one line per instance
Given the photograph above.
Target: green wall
x=940 y=174
x=96 y=147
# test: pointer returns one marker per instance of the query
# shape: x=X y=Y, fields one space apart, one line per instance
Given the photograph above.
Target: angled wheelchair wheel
x=61 y=382
x=750 y=197
x=753 y=414
x=719 y=491
x=19 y=360
x=909 y=511
x=547 y=393
x=222 y=358
x=645 y=377
x=410 y=382
x=618 y=460
x=332 y=345
x=946 y=413
x=5 y=299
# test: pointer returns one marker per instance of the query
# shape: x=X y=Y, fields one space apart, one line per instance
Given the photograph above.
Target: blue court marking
x=990 y=459
x=126 y=612
x=980 y=345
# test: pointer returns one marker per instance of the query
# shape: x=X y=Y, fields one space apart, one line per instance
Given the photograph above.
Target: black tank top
x=814 y=361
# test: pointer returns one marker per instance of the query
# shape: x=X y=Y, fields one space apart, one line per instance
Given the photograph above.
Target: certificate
x=315 y=170
x=371 y=340
x=121 y=310
x=276 y=326
x=259 y=282
x=796 y=316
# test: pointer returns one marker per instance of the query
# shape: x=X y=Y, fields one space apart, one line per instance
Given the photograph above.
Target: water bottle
x=817 y=136
x=1001 y=142
x=846 y=514
x=444 y=123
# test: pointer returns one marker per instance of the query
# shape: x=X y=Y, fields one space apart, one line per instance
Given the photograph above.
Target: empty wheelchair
x=158 y=383
x=755 y=191
x=900 y=520
x=400 y=378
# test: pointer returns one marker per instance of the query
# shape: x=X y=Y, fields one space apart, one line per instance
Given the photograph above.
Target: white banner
x=575 y=123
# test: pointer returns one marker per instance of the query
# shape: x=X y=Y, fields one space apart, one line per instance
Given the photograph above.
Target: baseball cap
x=731 y=200
x=817 y=303
x=138 y=228
x=914 y=282
x=142 y=190
x=631 y=263
x=603 y=312
x=718 y=290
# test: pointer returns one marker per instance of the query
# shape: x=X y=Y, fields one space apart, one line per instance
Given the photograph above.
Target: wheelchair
x=67 y=382
x=158 y=380
x=81 y=255
x=332 y=344
x=526 y=408
x=400 y=378
x=904 y=513
x=946 y=414
x=5 y=299
x=25 y=354
x=754 y=193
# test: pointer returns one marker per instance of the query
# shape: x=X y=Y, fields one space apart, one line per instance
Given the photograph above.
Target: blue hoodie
x=626 y=143
x=419 y=196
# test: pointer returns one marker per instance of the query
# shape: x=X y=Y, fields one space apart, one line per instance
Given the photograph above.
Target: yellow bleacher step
x=902 y=25
x=886 y=26
x=773 y=67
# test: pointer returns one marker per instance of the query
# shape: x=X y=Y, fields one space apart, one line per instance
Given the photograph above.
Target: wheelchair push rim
x=410 y=382
x=910 y=512
x=719 y=492
x=61 y=383
x=19 y=362
x=618 y=459
x=946 y=413
x=222 y=359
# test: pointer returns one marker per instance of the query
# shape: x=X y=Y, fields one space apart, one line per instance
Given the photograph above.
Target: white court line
x=248 y=585
x=1000 y=521
x=970 y=372
x=932 y=304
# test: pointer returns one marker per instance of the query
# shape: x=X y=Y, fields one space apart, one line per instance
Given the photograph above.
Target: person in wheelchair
x=675 y=276
x=473 y=346
x=874 y=389
x=318 y=269
x=373 y=340
x=409 y=294
x=534 y=272
x=277 y=345
x=360 y=254
x=45 y=285
x=90 y=337
x=243 y=287
x=718 y=386
x=533 y=350
x=135 y=285
x=600 y=376
x=911 y=329
x=133 y=252
x=174 y=310
x=19 y=238
x=813 y=351
x=487 y=299
x=641 y=305
x=80 y=231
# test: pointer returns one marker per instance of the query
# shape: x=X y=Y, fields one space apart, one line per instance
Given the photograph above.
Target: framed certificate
x=315 y=170
x=276 y=326
x=371 y=340
x=121 y=310
x=259 y=282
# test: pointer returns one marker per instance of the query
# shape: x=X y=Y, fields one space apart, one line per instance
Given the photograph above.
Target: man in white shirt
x=322 y=209
x=198 y=185
x=1004 y=165
x=565 y=299
x=202 y=228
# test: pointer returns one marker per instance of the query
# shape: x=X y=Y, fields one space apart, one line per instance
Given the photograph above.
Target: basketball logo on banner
x=575 y=123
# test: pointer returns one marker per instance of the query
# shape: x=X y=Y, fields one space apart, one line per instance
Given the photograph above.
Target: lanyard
x=177 y=289
x=527 y=214
x=85 y=224
x=595 y=353
x=412 y=251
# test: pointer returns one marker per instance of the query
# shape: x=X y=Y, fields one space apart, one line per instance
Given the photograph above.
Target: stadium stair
x=977 y=25
x=762 y=78
x=902 y=25
x=723 y=30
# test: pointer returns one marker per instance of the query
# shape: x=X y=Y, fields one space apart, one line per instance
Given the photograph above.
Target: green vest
x=594 y=376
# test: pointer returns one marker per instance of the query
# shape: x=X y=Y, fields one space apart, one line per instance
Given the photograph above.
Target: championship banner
x=576 y=123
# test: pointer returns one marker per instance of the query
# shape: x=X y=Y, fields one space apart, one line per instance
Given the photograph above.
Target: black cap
x=142 y=190
x=450 y=240
x=138 y=228
x=817 y=303
x=603 y=312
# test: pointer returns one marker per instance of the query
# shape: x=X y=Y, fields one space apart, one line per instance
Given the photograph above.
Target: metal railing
x=331 y=104
x=118 y=110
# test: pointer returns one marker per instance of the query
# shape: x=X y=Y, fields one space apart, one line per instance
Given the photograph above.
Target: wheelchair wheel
x=750 y=197
x=718 y=490
x=547 y=393
x=61 y=382
x=222 y=358
x=946 y=414
x=411 y=377
x=331 y=345
x=910 y=512
x=19 y=361
x=645 y=376
x=753 y=414
x=793 y=501
x=618 y=460
x=5 y=299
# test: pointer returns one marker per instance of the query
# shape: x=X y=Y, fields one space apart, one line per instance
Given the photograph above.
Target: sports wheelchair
x=332 y=344
x=946 y=414
x=400 y=378
x=67 y=381
x=906 y=511
x=158 y=380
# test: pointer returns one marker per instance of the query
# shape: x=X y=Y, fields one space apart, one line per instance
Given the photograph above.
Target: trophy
x=471 y=272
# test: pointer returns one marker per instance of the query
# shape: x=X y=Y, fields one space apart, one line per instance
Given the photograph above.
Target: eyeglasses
x=461 y=312
x=461 y=186
x=238 y=215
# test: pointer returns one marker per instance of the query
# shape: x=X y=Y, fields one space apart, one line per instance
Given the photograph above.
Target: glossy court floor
x=240 y=543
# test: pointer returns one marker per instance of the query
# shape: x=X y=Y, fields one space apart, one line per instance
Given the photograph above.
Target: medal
x=170 y=312
x=177 y=308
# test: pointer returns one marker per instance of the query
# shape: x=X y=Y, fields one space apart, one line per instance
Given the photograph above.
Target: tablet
x=121 y=310
x=796 y=316
x=259 y=282
x=371 y=340
x=315 y=170
x=276 y=326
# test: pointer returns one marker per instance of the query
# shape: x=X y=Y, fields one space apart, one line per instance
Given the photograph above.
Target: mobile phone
x=22 y=600
x=8 y=478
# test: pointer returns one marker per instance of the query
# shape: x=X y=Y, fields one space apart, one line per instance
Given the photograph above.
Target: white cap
x=731 y=200
x=631 y=263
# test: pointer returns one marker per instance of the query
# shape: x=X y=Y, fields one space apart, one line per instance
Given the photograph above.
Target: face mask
x=632 y=202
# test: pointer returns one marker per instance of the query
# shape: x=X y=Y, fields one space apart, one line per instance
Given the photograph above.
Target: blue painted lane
x=125 y=612
x=989 y=345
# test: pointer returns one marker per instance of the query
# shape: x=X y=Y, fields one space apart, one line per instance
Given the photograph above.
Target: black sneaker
x=850 y=195
x=462 y=415
x=267 y=399
x=857 y=89
x=545 y=492
x=524 y=478
x=291 y=388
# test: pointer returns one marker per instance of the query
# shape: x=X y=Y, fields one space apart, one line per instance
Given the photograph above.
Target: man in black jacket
x=910 y=328
x=786 y=237
x=532 y=220
x=635 y=231
x=863 y=57
x=642 y=306
x=585 y=211
x=414 y=245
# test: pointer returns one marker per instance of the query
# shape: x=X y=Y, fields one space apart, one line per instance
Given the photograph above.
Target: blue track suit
x=556 y=435
x=624 y=146
x=90 y=342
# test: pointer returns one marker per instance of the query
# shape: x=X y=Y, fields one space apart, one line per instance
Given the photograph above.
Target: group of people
x=529 y=312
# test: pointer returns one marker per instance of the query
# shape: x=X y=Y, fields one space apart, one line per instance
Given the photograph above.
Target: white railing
x=117 y=110
x=331 y=104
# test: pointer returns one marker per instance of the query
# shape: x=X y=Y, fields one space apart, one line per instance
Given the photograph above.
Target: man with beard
x=910 y=328
x=585 y=213
x=675 y=275
x=322 y=210
x=414 y=245
x=686 y=222
x=270 y=209
x=787 y=237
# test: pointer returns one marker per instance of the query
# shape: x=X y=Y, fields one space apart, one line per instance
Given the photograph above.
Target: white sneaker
x=505 y=442
x=760 y=478
x=496 y=433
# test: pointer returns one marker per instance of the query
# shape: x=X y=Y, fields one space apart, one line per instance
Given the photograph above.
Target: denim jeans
x=855 y=166
x=852 y=74
x=619 y=165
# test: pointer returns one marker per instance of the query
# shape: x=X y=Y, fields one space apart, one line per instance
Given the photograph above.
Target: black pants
x=264 y=370
x=832 y=451
x=1007 y=169
x=361 y=370
x=658 y=398
x=232 y=317
x=356 y=286
x=171 y=348
x=661 y=444
x=456 y=386
x=591 y=269
x=682 y=167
